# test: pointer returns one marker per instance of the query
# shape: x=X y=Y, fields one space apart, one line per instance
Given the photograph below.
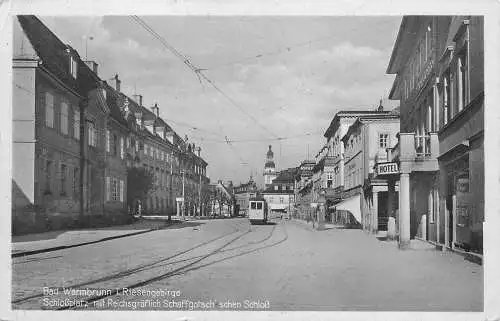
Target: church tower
x=269 y=168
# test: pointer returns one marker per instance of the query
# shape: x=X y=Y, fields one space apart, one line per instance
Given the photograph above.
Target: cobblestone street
x=235 y=266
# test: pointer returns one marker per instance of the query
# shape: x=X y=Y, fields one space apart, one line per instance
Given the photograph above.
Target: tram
x=257 y=210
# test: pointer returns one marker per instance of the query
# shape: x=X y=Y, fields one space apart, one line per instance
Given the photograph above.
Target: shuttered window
x=76 y=124
x=108 y=141
x=108 y=188
x=122 y=188
x=122 y=148
x=64 y=118
x=49 y=110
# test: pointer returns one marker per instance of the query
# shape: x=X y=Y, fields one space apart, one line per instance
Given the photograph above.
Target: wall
x=116 y=168
x=23 y=136
x=61 y=209
x=476 y=180
x=273 y=201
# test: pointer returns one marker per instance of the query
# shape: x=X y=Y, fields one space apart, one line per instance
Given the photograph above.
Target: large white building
x=280 y=195
x=365 y=143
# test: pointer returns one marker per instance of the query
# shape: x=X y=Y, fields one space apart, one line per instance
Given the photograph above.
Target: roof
x=286 y=176
x=360 y=120
x=270 y=153
x=272 y=191
x=405 y=41
x=54 y=55
x=257 y=198
x=351 y=129
x=270 y=164
x=114 y=101
x=350 y=113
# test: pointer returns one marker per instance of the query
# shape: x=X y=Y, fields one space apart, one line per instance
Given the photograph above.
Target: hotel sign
x=387 y=168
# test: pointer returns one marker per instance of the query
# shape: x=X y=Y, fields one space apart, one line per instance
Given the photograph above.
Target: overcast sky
x=287 y=77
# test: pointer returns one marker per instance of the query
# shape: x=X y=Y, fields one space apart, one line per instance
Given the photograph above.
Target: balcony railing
x=421 y=150
x=423 y=146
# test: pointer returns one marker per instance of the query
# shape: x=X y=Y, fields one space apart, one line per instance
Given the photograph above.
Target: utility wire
x=272 y=53
x=282 y=50
x=261 y=140
x=196 y=70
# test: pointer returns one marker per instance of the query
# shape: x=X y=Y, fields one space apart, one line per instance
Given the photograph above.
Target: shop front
x=388 y=202
x=464 y=204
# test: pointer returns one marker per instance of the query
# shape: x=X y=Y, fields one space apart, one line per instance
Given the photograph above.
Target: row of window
x=57 y=179
x=282 y=187
x=453 y=85
x=115 y=189
x=68 y=123
x=156 y=153
x=281 y=199
x=66 y=118
x=418 y=63
x=157 y=203
x=452 y=97
x=354 y=178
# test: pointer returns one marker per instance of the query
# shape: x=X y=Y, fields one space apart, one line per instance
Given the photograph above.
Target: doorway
x=382 y=213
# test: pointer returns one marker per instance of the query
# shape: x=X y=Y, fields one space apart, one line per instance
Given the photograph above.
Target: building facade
x=222 y=202
x=333 y=159
x=303 y=189
x=439 y=67
x=243 y=193
x=366 y=142
x=51 y=87
x=280 y=194
x=75 y=137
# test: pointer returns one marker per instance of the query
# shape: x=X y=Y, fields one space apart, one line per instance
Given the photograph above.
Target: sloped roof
x=54 y=55
x=114 y=101
x=286 y=176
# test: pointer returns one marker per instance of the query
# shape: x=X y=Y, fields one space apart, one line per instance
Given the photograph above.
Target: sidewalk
x=304 y=223
x=416 y=244
x=56 y=240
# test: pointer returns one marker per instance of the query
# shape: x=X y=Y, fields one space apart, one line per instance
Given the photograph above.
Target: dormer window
x=73 y=66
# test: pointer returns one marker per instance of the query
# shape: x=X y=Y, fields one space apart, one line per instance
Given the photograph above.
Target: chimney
x=138 y=99
x=157 y=112
x=198 y=150
x=92 y=65
x=117 y=83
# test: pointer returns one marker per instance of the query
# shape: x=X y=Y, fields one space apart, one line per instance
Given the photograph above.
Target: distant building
x=269 y=168
x=280 y=194
x=243 y=193
x=364 y=196
x=303 y=189
x=222 y=201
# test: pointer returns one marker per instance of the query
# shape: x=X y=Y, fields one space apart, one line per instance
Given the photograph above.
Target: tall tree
x=140 y=182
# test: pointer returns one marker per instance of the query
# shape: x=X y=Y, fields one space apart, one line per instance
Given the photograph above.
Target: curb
x=469 y=256
x=63 y=247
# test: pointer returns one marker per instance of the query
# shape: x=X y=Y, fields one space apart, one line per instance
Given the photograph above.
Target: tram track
x=192 y=263
x=127 y=272
x=158 y=277
x=192 y=266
